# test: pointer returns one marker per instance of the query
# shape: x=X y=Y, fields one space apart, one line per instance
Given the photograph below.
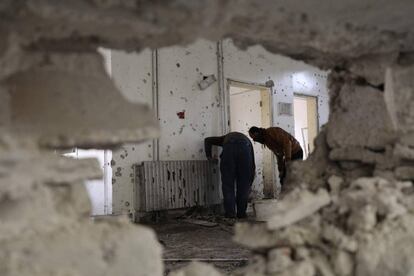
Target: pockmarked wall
x=188 y=114
x=256 y=65
x=132 y=74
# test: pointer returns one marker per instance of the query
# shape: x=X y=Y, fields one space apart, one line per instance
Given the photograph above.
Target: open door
x=306 y=122
x=250 y=105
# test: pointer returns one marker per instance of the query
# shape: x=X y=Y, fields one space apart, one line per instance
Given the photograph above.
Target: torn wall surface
x=373 y=34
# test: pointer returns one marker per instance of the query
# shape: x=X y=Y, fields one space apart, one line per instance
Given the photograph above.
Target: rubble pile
x=364 y=230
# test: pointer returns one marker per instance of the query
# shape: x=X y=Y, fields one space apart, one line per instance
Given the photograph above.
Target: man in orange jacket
x=281 y=143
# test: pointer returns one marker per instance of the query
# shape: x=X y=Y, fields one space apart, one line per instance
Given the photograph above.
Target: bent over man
x=237 y=166
x=281 y=143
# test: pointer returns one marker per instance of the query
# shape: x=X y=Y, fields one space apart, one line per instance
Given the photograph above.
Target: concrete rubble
x=297 y=205
x=53 y=89
x=196 y=269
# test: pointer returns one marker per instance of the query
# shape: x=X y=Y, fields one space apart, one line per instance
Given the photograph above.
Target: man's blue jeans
x=237 y=175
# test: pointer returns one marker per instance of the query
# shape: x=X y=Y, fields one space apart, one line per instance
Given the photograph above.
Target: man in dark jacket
x=237 y=165
x=281 y=143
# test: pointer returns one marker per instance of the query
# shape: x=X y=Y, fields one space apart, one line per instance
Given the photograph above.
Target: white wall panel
x=180 y=69
x=132 y=74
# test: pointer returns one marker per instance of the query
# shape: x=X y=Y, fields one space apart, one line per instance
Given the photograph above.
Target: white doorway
x=250 y=105
x=99 y=190
x=306 y=121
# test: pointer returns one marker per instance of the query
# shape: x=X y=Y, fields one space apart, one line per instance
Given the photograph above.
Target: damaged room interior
x=222 y=137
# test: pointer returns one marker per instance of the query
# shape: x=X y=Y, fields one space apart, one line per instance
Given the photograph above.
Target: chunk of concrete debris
x=399 y=97
x=279 y=260
x=343 y=263
x=322 y=265
x=259 y=237
x=84 y=249
x=349 y=126
x=335 y=183
x=404 y=152
x=388 y=250
x=296 y=206
x=196 y=269
x=338 y=238
x=363 y=220
x=303 y=268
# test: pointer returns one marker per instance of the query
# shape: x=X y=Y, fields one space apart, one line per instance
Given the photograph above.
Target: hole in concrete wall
x=189 y=113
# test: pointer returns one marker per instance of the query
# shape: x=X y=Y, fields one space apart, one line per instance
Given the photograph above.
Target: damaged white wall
x=256 y=65
x=178 y=71
x=132 y=74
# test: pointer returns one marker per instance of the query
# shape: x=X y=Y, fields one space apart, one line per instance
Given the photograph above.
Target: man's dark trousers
x=236 y=167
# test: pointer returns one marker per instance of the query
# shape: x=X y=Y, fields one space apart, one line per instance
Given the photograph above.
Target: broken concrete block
x=343 y=263
x=359 y=119
x=84 y=249
x=196 y=269
x=296 y=206
x=52 y=104
x=352 y=153
x=279 y=260
x=259 y=237
x=399 y=97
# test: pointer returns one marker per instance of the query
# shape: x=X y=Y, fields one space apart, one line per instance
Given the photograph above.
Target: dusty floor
x=184 y=242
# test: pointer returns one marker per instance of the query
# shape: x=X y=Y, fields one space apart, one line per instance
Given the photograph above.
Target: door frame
x=299 y=95
x=262 y=86
x=302 y=95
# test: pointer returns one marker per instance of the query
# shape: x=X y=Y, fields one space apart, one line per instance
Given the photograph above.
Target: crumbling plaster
x=48 y=60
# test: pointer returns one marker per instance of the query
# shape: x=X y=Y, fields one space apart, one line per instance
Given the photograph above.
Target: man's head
x=257 y=134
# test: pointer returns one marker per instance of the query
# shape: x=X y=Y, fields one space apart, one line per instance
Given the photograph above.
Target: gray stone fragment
x=296 y=206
